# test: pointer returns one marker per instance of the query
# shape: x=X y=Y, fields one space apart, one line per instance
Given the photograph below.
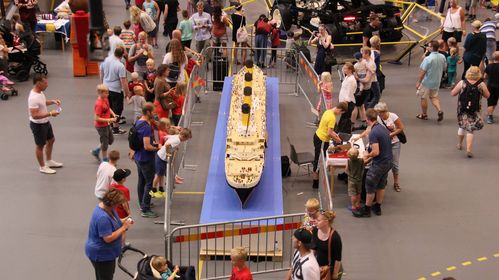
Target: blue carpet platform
x=220 y=202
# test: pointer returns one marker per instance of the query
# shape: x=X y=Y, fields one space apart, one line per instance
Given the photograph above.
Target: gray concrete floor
x=445 y=215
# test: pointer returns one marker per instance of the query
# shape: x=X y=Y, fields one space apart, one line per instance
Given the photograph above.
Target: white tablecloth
x=342 y=162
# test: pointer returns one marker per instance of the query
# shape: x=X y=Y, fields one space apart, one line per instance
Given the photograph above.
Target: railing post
x=169 y=187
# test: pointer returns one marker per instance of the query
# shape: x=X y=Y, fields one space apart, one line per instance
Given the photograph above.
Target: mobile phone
x=59 y=109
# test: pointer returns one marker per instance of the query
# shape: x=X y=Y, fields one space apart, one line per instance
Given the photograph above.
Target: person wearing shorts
x=40 y=124
x=381 y=157
x=103 y=116
x=430 y=76
x=354 y=170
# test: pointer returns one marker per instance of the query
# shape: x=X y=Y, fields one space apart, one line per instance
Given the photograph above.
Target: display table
x=61 y=26
x=340 y=160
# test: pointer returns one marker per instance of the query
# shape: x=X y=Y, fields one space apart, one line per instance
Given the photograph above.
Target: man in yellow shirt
x=324 y=133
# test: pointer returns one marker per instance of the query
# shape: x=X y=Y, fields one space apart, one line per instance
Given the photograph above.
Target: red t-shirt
x=243 y=274
x=276 y=41
x=102 y=110
x=162 y=134
x=180 y=104
x=120 y=209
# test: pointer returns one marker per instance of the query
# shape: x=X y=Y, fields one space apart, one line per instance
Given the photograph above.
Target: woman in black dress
x=238 y=20
x=328 y=244
x=323 y=41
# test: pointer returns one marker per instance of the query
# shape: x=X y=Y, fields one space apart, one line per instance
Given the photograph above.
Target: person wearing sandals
x=468 y=116
x=328 y=245
x=428 y=84
x=393 y=123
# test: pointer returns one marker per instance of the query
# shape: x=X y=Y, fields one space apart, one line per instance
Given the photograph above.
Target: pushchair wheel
x=40 y=68
x=22 y=75
x=15 y=92
x=4 y=96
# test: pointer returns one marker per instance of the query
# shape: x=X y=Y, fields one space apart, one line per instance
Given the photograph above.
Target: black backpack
x=134 y=141
x=469 y=98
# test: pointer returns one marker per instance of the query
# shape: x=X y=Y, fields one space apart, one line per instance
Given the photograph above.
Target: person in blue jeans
x=144 y=159
x=105 y=234
x=262 y=31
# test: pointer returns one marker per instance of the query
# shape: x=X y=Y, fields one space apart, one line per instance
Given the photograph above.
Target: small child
x=185 y=27
x=137 y=100
x=276 y=42
x=452 y=61
x=452 y=43
x=119 y=178
x=127 y=36
x=360 y=71
x=161 y=265
x=312 y=207
x=326 y=85
x=164 y=130
x=135 y=82
x=240 y=271
x=289 y=39
x=354 y=170
x=149 y=77
x=105 y=174
x=103 y=117
x=172 y=142
x=179 y=99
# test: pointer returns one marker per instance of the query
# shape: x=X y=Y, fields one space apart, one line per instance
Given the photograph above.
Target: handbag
x=401 y=136
x=242 y=33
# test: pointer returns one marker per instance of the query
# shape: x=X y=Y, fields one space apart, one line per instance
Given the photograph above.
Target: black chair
x=300 y=159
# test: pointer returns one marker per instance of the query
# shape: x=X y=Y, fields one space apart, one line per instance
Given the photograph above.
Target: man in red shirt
x=238 y=258
x=103 y=116
x=119 y=177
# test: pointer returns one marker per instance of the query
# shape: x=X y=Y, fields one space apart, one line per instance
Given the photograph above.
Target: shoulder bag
x=242 y=33
x=330 y=58
x=147 y=22
x=401 y=136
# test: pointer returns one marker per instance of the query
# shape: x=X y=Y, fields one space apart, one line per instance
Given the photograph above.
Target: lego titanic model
x=246 y=131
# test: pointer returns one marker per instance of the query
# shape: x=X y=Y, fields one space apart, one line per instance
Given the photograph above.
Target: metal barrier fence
x=224 y=63
x=207 y=246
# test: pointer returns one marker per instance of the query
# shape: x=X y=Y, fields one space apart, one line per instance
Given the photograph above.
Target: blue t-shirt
x=101 y=225
x=113 y=70
x=381 y=135
x=434 y=65
x=144 y=130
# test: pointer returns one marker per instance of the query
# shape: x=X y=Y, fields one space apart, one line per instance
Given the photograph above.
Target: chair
x=300 y=159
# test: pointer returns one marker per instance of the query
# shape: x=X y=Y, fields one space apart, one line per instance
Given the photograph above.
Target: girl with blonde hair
x=469 y=92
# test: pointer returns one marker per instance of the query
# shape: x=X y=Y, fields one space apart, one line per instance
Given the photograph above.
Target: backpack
x=147 y=22
x=469 y=98
x=134 y=141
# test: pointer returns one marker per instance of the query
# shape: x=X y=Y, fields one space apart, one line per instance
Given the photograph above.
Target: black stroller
x=21 y=60
x=145 y=271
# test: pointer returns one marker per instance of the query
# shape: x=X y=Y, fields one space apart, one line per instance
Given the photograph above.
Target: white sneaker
x=47 y=170
x=53 y=164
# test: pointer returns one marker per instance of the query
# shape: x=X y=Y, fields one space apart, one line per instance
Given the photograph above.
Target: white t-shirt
x=104 y=178
x=169 y=59
x=114 y=41
x=305 y=268
x=348 y=88
x=173 y=141
x=38 y=101
x=390 y=124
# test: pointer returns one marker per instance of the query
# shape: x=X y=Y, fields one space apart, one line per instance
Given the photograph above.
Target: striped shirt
x=128 y=38
x=489 y=28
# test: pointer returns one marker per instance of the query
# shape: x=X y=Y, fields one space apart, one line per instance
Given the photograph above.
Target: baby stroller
x=22 y=59
x=7 y=87
x=145 y=271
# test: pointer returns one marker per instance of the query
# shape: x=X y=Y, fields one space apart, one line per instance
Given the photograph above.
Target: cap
x=238 y=7
x=121 y=174
x=304 y=236
x=357 y=55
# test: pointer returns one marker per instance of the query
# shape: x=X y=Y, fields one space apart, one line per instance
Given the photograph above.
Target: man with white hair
x=489 y=28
